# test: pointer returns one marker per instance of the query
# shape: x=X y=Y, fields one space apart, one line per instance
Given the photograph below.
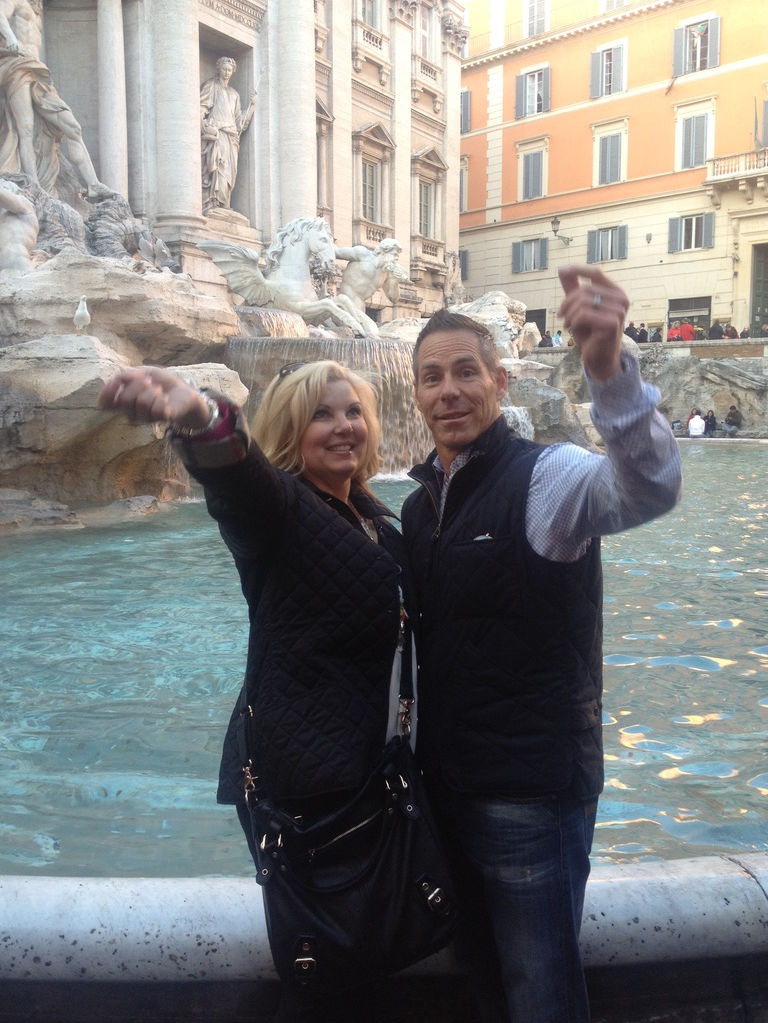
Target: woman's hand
x=153 y=395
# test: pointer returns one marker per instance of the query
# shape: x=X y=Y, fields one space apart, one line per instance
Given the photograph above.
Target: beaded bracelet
x=188 y=432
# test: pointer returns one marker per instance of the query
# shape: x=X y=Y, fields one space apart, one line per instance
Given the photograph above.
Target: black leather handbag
x=361 y=892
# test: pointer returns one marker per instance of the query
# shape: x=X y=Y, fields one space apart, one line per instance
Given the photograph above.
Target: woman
x=319 y=566
x=710 y=423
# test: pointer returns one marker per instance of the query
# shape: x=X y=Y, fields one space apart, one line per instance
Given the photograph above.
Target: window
x=464 y=263
x=692 y=232
x=370 y=190
x=606 y=72
x=613 y=5
x=607 y=243
x=426 y=206
x=532 y=92
x=463 y=185
x=535 y=17
x=369 y=12
x=427 y=33
x=694 y=142
x=530 y=255
x=466 y=97
x=533 y=175
x=609 y=159
x=696 y=47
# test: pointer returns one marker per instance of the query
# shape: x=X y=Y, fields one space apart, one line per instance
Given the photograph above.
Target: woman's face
x=333 y=445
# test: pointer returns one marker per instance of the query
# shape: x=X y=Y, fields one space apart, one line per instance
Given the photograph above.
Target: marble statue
x=18 y=227
x=368 y=270
x=222 y=124
x=301 y=246
x=454 y=287
x=39 y=134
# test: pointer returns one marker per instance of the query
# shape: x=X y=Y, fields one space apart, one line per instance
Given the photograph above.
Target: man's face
x=455 y=391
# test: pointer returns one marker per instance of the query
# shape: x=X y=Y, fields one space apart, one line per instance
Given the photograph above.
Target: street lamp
x=555 y=225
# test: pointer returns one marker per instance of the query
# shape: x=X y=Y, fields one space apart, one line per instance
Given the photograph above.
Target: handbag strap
x=405 y=682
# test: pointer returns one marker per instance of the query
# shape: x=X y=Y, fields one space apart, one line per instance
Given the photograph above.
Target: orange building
x=626 y=134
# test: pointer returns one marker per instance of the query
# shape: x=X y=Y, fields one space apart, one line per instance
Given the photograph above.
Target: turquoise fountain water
x=124 y=649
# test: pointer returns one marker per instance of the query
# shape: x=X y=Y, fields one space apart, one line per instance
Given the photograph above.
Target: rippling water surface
x=124 y=650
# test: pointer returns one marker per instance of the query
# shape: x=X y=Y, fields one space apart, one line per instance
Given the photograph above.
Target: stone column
x=295 y=91
x=178 y=210
x=113 y=118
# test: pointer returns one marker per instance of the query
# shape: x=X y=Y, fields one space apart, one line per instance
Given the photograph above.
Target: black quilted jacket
x=324 y=614
x=509 y=644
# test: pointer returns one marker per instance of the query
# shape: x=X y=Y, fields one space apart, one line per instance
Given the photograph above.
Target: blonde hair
x=290 y=401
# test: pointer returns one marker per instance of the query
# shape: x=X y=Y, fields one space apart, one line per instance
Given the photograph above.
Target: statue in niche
x=222 y=124
x=39 y=135
x=454 y=287
x=368 y=270
x=18 y=227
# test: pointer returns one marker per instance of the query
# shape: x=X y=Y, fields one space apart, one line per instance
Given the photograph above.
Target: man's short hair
x=445 y=320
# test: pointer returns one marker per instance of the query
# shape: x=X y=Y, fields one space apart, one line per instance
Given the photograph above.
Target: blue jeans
x=521 y=869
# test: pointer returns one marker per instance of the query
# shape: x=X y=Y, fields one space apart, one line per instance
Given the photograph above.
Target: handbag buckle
x=435 y=896
x=305 y=964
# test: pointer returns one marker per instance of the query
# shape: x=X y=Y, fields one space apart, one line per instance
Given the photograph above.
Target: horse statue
x=305 y=245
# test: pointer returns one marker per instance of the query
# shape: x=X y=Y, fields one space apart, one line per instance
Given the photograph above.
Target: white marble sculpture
x=39 y=135
x=368 y=270
x=18 y=227
x=222 y=124
x=303 y=245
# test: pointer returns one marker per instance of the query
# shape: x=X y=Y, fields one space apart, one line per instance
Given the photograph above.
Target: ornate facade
x=355 y=120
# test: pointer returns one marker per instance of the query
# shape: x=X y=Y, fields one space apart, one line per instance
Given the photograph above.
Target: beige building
x=626 y=134
x=355 y=120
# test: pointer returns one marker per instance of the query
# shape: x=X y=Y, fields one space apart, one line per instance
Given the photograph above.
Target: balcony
x=427 y=77
x=368 y=44
x=743 y=172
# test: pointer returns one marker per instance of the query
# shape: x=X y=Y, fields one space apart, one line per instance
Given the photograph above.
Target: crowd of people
x=685 y=330
x=698 y=425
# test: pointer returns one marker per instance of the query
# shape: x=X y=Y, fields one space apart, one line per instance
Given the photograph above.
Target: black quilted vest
x=509 y=644
x=324 y=619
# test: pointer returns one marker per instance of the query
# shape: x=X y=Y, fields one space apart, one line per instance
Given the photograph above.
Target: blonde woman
x=320 y=569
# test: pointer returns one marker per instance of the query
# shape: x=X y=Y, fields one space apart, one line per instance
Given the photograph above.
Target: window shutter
x=591 y=246
x=517 y=257
x=618 y=69
x=465 y=109
x=546 y=88
x=708 y=231
x=464 y=263
x=621 y=242
x=520 y=96
x=678 y=59
x=543 y=256
x=595 y=62
x=695 y=141
x=675 y=234
x=713 y=43
x=615 y=148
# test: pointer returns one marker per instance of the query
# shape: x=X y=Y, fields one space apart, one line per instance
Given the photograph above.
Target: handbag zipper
x=337 y=838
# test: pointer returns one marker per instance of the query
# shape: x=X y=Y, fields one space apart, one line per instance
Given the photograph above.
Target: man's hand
x=595 y=309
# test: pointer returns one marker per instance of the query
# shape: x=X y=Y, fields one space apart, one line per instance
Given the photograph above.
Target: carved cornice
x=403 y=10
x=244 y=12
x=455 y=32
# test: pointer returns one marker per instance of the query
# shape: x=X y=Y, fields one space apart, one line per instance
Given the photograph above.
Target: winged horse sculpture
x=304 y=244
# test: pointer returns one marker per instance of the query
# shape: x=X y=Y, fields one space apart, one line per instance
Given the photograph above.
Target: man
x=631 y=330
x=18 y=228
x=687 y=332
x=503 y=541
x=696 y=425
x=30 y=96
x=642 y=335
x=716 y=331
x=732 y=422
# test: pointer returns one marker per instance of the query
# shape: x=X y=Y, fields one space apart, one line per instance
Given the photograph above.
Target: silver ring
x=597 y=300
